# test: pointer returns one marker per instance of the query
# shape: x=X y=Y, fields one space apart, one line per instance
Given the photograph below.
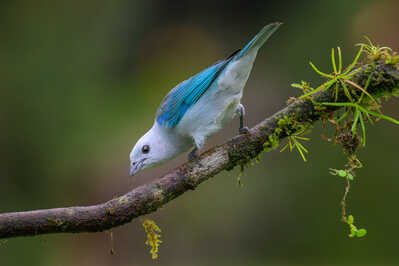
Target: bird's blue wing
x=186 y=94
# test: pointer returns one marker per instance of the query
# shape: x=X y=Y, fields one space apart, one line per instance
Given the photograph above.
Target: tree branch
x=148 y=198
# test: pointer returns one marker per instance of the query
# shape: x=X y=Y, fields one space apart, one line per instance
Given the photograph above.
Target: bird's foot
x=241 y=112
x=243 y=130
x=194 y=154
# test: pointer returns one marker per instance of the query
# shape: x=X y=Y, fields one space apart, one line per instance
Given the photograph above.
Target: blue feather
x=260 y=38
x=186 y=94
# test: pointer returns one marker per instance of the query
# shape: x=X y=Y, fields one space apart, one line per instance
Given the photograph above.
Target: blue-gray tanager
x=199 y=107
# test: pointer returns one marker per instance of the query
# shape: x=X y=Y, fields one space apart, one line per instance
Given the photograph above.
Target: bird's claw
x=243 y=130
x=194 y=154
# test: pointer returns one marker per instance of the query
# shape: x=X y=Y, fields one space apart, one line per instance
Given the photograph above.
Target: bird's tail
x=260 y=38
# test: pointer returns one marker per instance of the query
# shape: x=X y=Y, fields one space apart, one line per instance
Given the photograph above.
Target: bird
x=199 y=107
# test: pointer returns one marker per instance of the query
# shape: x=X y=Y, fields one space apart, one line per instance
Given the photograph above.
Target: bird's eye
x=145 y=149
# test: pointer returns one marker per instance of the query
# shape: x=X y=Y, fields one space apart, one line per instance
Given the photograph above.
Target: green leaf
x=349 y=176
x=354 y=72
x=301 y=146
x=342 y=173
x=343 y=116
x=290 y=143
x=285 y=147
x=339 y=104
x=339 y=59
x=302 y=138
x=379 y=115
x=300 y=151
x=361 y=232
x=346 y=90
x=366 y=87
x=363 y=129
x=354 y=61
x=324 y=86
x=296 y=85
x=333 y=61
x=351 y=219
x=319 y=72
x=354 y=125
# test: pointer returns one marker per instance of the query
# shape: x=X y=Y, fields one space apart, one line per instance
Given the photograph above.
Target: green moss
x=57 y=221
x=289 y=125
x=392 y=60
x=381 y=83
x=272 y=144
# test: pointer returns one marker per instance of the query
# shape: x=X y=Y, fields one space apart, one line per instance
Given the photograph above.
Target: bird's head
x=141 y=155
x=155 y=147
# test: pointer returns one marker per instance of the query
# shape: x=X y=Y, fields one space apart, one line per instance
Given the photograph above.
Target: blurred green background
x=81 y=81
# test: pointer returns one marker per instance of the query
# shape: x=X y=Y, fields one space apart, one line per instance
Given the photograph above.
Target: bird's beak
x=136 y=166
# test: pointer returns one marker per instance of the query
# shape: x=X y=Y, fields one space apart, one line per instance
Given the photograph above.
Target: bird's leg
x=241 y=113
x=194 y=154
x=198 y=142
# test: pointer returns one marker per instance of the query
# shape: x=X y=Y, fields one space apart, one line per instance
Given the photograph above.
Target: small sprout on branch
x=304 y=86
x=339 y=76
x=393 y=59
x=341 y=173
x=375 y=52
x=353 y=229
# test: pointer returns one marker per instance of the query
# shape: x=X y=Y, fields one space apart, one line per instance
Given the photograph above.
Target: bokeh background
x=81 y=81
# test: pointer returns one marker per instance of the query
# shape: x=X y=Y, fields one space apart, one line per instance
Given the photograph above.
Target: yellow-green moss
x=153 y=234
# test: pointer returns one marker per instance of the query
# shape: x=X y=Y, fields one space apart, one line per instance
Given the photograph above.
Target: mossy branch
x=238 y=151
